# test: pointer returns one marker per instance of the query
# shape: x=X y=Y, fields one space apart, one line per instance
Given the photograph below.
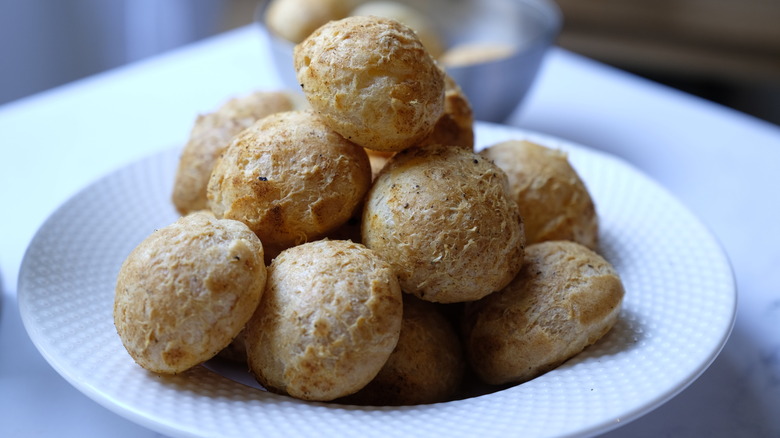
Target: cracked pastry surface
x=443 y=218
x=372 y=81
x=210 y=135
x=329 y=319
x=290 y=178
x=187 y=290
x=565 y=298
x=553 y=199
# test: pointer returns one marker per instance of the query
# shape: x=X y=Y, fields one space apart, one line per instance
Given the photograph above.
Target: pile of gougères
x=350 y=245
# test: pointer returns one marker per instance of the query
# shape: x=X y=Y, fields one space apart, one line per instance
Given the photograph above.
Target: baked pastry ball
x=427 y=365
x=187 y=290
x=294 y=20
x=443 y=218
x=372 y=81
x=209 y=137
x=408 y=15
x=329 y=319
x=290 y=178
x=553 y=200
x=455 y=127
x=564 y=299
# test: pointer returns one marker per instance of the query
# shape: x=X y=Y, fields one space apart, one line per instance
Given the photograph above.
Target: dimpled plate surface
x=678 y=312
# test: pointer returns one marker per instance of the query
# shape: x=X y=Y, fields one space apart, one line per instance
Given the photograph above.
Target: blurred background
x=727 y=51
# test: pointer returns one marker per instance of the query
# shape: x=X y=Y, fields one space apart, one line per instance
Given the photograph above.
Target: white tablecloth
x=725 y=166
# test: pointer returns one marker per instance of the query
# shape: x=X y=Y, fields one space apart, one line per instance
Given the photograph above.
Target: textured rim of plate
x=678 y=312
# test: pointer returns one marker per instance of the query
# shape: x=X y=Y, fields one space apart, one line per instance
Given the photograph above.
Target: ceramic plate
x=678 y=312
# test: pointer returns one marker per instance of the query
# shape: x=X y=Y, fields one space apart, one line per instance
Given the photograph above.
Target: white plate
x=679 y=309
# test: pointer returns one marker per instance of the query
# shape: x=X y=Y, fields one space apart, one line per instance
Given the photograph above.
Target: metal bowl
x=495 y=87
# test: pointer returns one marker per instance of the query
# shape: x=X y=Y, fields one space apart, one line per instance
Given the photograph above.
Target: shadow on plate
x=624 y=336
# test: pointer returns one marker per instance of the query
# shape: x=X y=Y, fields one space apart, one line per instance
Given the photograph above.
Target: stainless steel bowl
x=495 y=87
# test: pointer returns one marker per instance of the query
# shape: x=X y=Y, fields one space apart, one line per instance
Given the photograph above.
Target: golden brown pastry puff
x=455 y=127
x=187 y=290
x=443 y=218
x=290 y=178
x=565 y=298
x=209 y=137
x=553 y=199
x=329 y=319
x=372 y=81
x=294 y=20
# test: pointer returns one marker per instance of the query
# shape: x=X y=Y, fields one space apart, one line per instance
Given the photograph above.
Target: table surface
x=723 y=165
